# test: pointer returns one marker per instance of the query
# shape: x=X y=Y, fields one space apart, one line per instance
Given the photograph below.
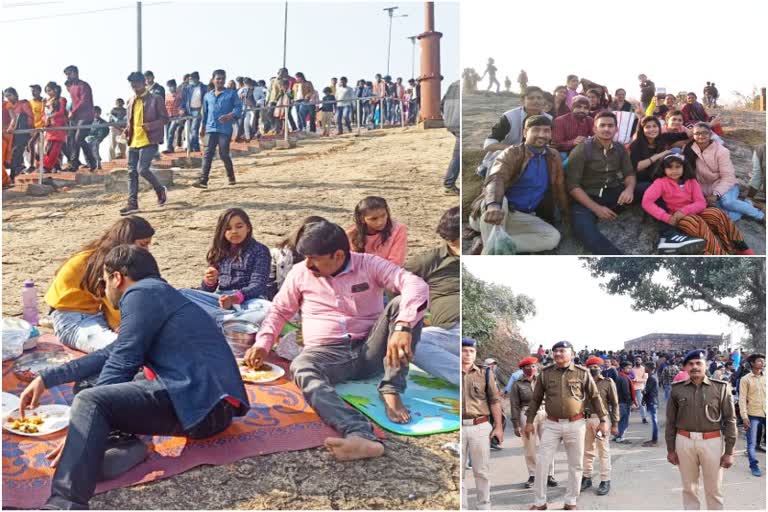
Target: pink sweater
x=714 y=169
x=689 y=199
x=395 y=249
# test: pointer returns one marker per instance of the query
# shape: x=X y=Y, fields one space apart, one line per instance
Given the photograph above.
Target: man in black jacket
x=626 y=399
x=651 y=402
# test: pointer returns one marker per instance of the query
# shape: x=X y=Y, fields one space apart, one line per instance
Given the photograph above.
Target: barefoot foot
x=396 y=410
x=353 y=448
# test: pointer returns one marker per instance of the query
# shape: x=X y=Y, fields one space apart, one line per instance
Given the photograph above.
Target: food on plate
x=263 y=373
x=28 y=425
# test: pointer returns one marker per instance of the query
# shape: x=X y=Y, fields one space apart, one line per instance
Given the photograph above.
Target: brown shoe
x=569 y=507
x=534 y=507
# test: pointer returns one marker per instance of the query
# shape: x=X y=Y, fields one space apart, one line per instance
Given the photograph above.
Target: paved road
x=642 y=478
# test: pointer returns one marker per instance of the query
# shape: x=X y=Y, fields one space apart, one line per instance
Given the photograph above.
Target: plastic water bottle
x=29 y=301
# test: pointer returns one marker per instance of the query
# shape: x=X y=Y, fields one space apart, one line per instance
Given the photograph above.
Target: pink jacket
x=395 y=249
x=714 y=169
x=689 y=199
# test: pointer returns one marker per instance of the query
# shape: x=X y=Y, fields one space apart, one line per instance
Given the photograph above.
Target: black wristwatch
x=402 y=328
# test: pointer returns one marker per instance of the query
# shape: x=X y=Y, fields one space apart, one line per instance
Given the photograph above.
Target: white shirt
x=196 y=101
x=260 y=94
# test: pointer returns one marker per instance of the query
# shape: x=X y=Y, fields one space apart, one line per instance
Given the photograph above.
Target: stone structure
x=673 y=342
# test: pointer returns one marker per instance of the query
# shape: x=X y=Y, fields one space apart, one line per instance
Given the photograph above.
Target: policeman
x=492 y=366
x=697 y=408
x=566 y=386
x=478 y=402
x=519 y=398
x=610 y=398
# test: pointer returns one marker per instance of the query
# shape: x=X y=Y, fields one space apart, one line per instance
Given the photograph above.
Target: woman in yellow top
x=83 y=317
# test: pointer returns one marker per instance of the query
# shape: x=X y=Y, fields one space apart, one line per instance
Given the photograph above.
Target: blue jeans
x=452 y=174
x=139 y=160
x=639 y=397
x=253 y=310
x=138 y=407
x=652 y=410
x=344 y=111
x=194 y=130
x=736 y=208
x=86 y=332
x=220 y=140
x=667 y=389
x=170 y=133
x=301 y=115
x=438 y=353
x=623 y=419
x=752 y=440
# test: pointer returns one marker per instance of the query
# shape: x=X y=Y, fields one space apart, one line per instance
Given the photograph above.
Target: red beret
x=527 y=361
x=595 y=360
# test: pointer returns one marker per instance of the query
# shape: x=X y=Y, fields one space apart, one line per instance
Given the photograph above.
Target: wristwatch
x=402 y=328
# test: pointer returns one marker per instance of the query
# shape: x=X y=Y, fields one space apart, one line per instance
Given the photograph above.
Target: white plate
x=10 y=402
x=55 y=418
x=277 y=372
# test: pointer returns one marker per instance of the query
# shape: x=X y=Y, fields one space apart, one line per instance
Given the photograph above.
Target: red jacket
x=82 y=101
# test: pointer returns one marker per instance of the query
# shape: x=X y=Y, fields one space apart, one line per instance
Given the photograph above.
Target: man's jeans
x=212 y=141
x=316 y=370
x=453 y=168
x=139 y=407
x=737 y=208
x=139 y=160
x=752 y=440
x=76 y=143
x=304 y=109
x=170 y=133
x=639 y=397
x=194 y=130
x=345 y=112
x=253 y=310
x=438 y=353
x=94 y=143
x=652 y=412
x=667 y=389
x=585 y=222
x=623 y=419
x=86 y=332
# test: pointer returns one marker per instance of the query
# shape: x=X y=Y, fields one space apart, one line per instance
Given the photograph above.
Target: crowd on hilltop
x=266 y=106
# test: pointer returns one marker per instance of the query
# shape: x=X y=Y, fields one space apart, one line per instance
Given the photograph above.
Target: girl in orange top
x=83 y=318
x=376 y=233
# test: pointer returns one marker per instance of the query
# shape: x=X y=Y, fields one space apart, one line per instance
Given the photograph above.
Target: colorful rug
x=433 y=402
x=279 y=420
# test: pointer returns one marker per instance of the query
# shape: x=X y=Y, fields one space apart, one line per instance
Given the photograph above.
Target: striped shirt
x=172 y=104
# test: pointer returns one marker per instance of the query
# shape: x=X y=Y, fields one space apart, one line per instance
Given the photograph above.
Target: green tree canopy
x=734 y=287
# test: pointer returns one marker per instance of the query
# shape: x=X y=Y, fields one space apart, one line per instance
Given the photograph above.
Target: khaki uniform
x=519 y=398
x=566 y=391
x=692 y=412
x=610 y=398
x=476 y=403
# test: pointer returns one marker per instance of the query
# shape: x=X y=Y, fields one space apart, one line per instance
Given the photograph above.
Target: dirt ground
x=278 y=189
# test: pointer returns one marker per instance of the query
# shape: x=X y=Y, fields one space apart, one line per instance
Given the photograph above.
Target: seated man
x=348 y=332
x=573 y=128
x=524 y=184
x=601 y=180
x=192 y=385
x=438 y=351
x=509 y=130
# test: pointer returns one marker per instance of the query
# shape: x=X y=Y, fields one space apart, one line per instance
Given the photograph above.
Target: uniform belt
x=474 y=421
x=699 y=435
x=572 y=418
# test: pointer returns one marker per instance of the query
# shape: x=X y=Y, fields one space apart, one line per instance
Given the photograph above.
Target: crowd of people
x=579 y=157
x=365 y=306
x=601 y=391
x=256 y=106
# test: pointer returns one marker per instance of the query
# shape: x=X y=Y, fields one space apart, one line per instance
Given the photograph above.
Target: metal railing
x=372 y=100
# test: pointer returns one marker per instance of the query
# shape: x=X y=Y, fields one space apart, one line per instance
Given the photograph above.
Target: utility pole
x=413 y=55
x=138 y=37
x=285 y=31
x=390 y=11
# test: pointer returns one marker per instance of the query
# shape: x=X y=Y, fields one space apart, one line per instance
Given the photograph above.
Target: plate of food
x=268 y=372
x=42 y=421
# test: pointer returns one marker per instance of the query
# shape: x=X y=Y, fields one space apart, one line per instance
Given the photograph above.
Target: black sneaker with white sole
x=678 y=243
x=129 y=210
x=162 y=197
x=200 y=184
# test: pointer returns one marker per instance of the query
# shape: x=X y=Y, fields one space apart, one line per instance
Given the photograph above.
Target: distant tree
x=734 y=287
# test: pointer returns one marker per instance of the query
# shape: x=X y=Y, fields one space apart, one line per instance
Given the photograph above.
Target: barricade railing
x=375 y=101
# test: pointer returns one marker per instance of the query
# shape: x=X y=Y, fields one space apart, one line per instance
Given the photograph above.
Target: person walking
x=752 y=406
x=81 y=113
x=594 y=438
x=697 y=409
x=564 y=387
x=627 y=398
x=478 y=402
x=651 y=402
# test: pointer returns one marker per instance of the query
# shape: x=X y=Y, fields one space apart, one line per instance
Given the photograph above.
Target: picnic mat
x=279 y=420
x=433 y=403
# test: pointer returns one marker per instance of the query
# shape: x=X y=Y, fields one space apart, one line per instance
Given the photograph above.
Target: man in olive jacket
x=522 y=189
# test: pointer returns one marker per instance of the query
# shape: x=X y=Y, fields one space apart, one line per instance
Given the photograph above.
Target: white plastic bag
x=499 y=242
x=13 y=343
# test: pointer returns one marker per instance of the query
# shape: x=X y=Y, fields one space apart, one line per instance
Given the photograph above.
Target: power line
x=23 y=4
x=79 y=13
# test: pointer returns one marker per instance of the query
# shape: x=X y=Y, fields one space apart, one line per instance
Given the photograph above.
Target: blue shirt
x=514 y=377
x=249 y=273
x=216 y=106
x=178 y=341
x=528 y=191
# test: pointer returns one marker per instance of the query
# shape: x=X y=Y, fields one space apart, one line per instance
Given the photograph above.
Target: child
x=284 y=256
x=117 y=115
x=97 y=134
x=237 y=274
x=675 y=183
x=376 y=233
x=327 y=110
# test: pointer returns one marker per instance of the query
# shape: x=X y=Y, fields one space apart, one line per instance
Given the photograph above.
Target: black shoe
x=645 y=421
x=451 y=191
x=760 y=448
x=529 y=483
x=586 y=483
x=496 y=446
x=232 y=182
x=162 y=197
x=551 y=482
x=604 y=488
x=200 y=184
x=678 y=243
x=129 y=210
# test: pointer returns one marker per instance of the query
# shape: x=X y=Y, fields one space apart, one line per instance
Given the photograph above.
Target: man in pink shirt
x=348 y=332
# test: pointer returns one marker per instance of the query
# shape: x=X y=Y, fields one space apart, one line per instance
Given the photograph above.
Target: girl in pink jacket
x=375 y=232
x=675 y=183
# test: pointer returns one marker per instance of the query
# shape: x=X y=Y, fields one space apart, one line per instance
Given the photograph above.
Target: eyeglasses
x=700 y=134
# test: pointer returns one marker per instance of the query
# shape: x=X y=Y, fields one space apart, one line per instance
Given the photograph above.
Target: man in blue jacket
x=221 y=109
x=192 y=95
x=191 y=384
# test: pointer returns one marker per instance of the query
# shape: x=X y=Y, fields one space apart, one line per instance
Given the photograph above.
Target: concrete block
x=37 y=190
x=428 y=124
x=267 y=144
x=192 y=162
x=285 y=144
x=117 y=180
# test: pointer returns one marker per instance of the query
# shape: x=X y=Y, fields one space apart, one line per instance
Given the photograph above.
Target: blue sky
x=244 y=38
